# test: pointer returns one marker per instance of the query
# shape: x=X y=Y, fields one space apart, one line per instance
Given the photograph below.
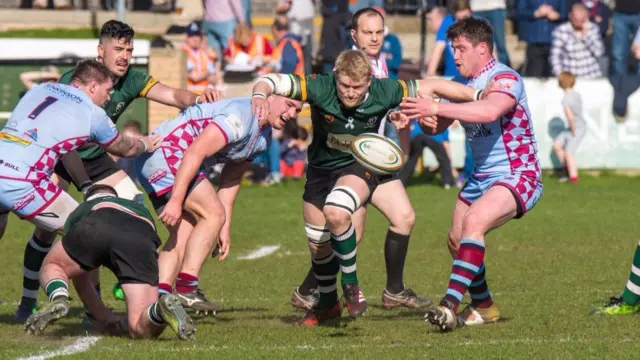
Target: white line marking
x=261 y=252
x=81 y=345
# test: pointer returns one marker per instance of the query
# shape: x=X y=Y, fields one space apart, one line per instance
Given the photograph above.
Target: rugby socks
x=479 y=290
x=153 y=312
x=57 y=288
x=344 y=246
x=86 y=311
x=308 y=284
x=186 y=283
x=164 y=288
x=631 y=293
x=466 y=266
x=395 y=253
x=34 y=254
x=326 y=272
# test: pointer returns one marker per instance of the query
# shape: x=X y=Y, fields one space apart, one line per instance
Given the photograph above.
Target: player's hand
x=428 y=123
x=153 y=142
x=399 y=119
x=211 y=95
x=224 y=244
x=259 y=107
x=416 y=108
x=171 y=213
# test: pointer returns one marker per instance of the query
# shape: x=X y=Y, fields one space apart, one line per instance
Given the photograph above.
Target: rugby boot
x=443 y=317
x=325 y=317
x=38 y=321
x=174 y=315
x=354 y=300
x=406 y=298
x=197 y=301
x=304 y=302
x=25 y=309
x=472 y=315
x=615 y=306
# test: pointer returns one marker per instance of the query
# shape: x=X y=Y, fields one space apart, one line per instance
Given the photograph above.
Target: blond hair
x=353 y=64
x=566 y=80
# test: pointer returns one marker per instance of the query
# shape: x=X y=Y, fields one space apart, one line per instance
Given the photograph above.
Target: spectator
x=247 y=12
x=220 y=19
x=287 y=55
x=577 y=46
x=626 y=22
x=538 y=19
x=333 y=39
x=131 y=128
x=567 y=142
x=201 y=71
x=599 y=13
x=460 y=9
x=46 y=74
x=494 y=12
x=439 y=22
x=391 y=49
x=301 y=14
x=161 y=6
x=293 y=154
x=624 y=85
x=247 y=47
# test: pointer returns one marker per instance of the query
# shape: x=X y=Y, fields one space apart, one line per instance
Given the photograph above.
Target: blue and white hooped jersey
x=508 y=144
x=244 y=137
x=49 y=121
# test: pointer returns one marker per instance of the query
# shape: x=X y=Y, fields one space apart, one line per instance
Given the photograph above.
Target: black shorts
x=320 y=182
x=98 y=168
x=126 y=245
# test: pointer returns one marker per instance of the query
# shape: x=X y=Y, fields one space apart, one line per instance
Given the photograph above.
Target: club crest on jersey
x=32 y=133
x=329 y=118
x=372 y=122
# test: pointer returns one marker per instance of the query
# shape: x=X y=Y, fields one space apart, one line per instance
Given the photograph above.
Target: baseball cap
x=193 y=29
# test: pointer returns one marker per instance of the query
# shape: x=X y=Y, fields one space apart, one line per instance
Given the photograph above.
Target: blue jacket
x=289 y=59
x=393 y=47
x=538 y=30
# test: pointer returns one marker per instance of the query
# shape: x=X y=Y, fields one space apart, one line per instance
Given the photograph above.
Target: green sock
x=326 y=272
x=631 y=294
x=344 y=245
x=57 y=288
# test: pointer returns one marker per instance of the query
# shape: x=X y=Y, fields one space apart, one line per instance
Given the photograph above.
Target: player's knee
x=473 y=223
x=404 y=221
x=453 y=242
x=340 y=205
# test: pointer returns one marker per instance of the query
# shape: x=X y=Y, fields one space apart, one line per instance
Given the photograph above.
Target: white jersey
x=49 y=121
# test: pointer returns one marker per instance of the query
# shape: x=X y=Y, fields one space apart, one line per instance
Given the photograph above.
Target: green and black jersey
x=334 y=126
x=132 y=85
x=121 y=204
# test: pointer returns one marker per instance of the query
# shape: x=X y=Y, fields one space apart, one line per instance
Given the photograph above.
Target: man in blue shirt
x=439 y=21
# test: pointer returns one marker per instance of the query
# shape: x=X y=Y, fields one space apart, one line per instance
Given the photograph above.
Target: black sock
x=309 y=283
x=395 y=253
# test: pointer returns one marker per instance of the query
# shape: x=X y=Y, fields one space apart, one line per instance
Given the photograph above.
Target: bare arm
x=210 y=141
x=166 y=95
x=228 y=191
x=447 y=89
x=434 y=59
x=29 y=78
x=570 y=118
x=126 y=146
x=480 y=112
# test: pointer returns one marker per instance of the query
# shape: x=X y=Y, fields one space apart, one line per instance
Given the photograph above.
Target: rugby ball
x=377 y=153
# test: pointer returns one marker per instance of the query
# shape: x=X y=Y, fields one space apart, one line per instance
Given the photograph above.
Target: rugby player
x=220 y=132
x=119 y=234
x=344 y=104
x=48 y=122
x=506 y=182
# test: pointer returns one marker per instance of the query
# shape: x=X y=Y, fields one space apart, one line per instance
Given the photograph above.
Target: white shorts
x=41 y=202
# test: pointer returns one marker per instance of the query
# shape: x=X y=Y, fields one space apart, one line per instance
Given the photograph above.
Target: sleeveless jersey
x=132 y=85
x=334 y=126
x=49 y=121
x=244 y=137
x=508 y=144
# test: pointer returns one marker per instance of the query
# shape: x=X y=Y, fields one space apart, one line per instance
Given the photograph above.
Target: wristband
x=144 y=143
x=259 y=94
x=198 y=100
x=476 y=96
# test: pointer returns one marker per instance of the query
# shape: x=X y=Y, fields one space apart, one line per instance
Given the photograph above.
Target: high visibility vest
x=277 y=54
x=200 y=60
x=255 y=49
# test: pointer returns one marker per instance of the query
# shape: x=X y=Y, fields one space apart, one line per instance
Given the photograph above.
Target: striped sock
x=186 y=283
x=154 y=315
x=466 y=265
x=326 y=272
x=631 y=293
x=479 y=290
x=34 y=254
x=164 y=289
x=344 y=246
x=57 y=288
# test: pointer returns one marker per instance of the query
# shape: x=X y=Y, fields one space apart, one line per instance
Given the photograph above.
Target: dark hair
x=459 y=5
x=91 y=70
x=114 y=29
x=474 y=29
x=99 y=188
x=369 y=11
x=300 y=133
x=133 y=124
x=281 y=23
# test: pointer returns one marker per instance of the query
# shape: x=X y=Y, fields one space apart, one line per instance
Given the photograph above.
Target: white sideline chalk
x=81 y=345
x=261 y=252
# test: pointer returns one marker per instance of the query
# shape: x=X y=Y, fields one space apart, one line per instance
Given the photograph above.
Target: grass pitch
x=545 y=271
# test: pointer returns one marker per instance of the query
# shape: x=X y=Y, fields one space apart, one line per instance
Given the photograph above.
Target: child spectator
x=567 y=142
x=293 y=154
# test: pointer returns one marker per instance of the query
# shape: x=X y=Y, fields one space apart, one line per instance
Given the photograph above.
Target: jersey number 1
x=43 y=105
